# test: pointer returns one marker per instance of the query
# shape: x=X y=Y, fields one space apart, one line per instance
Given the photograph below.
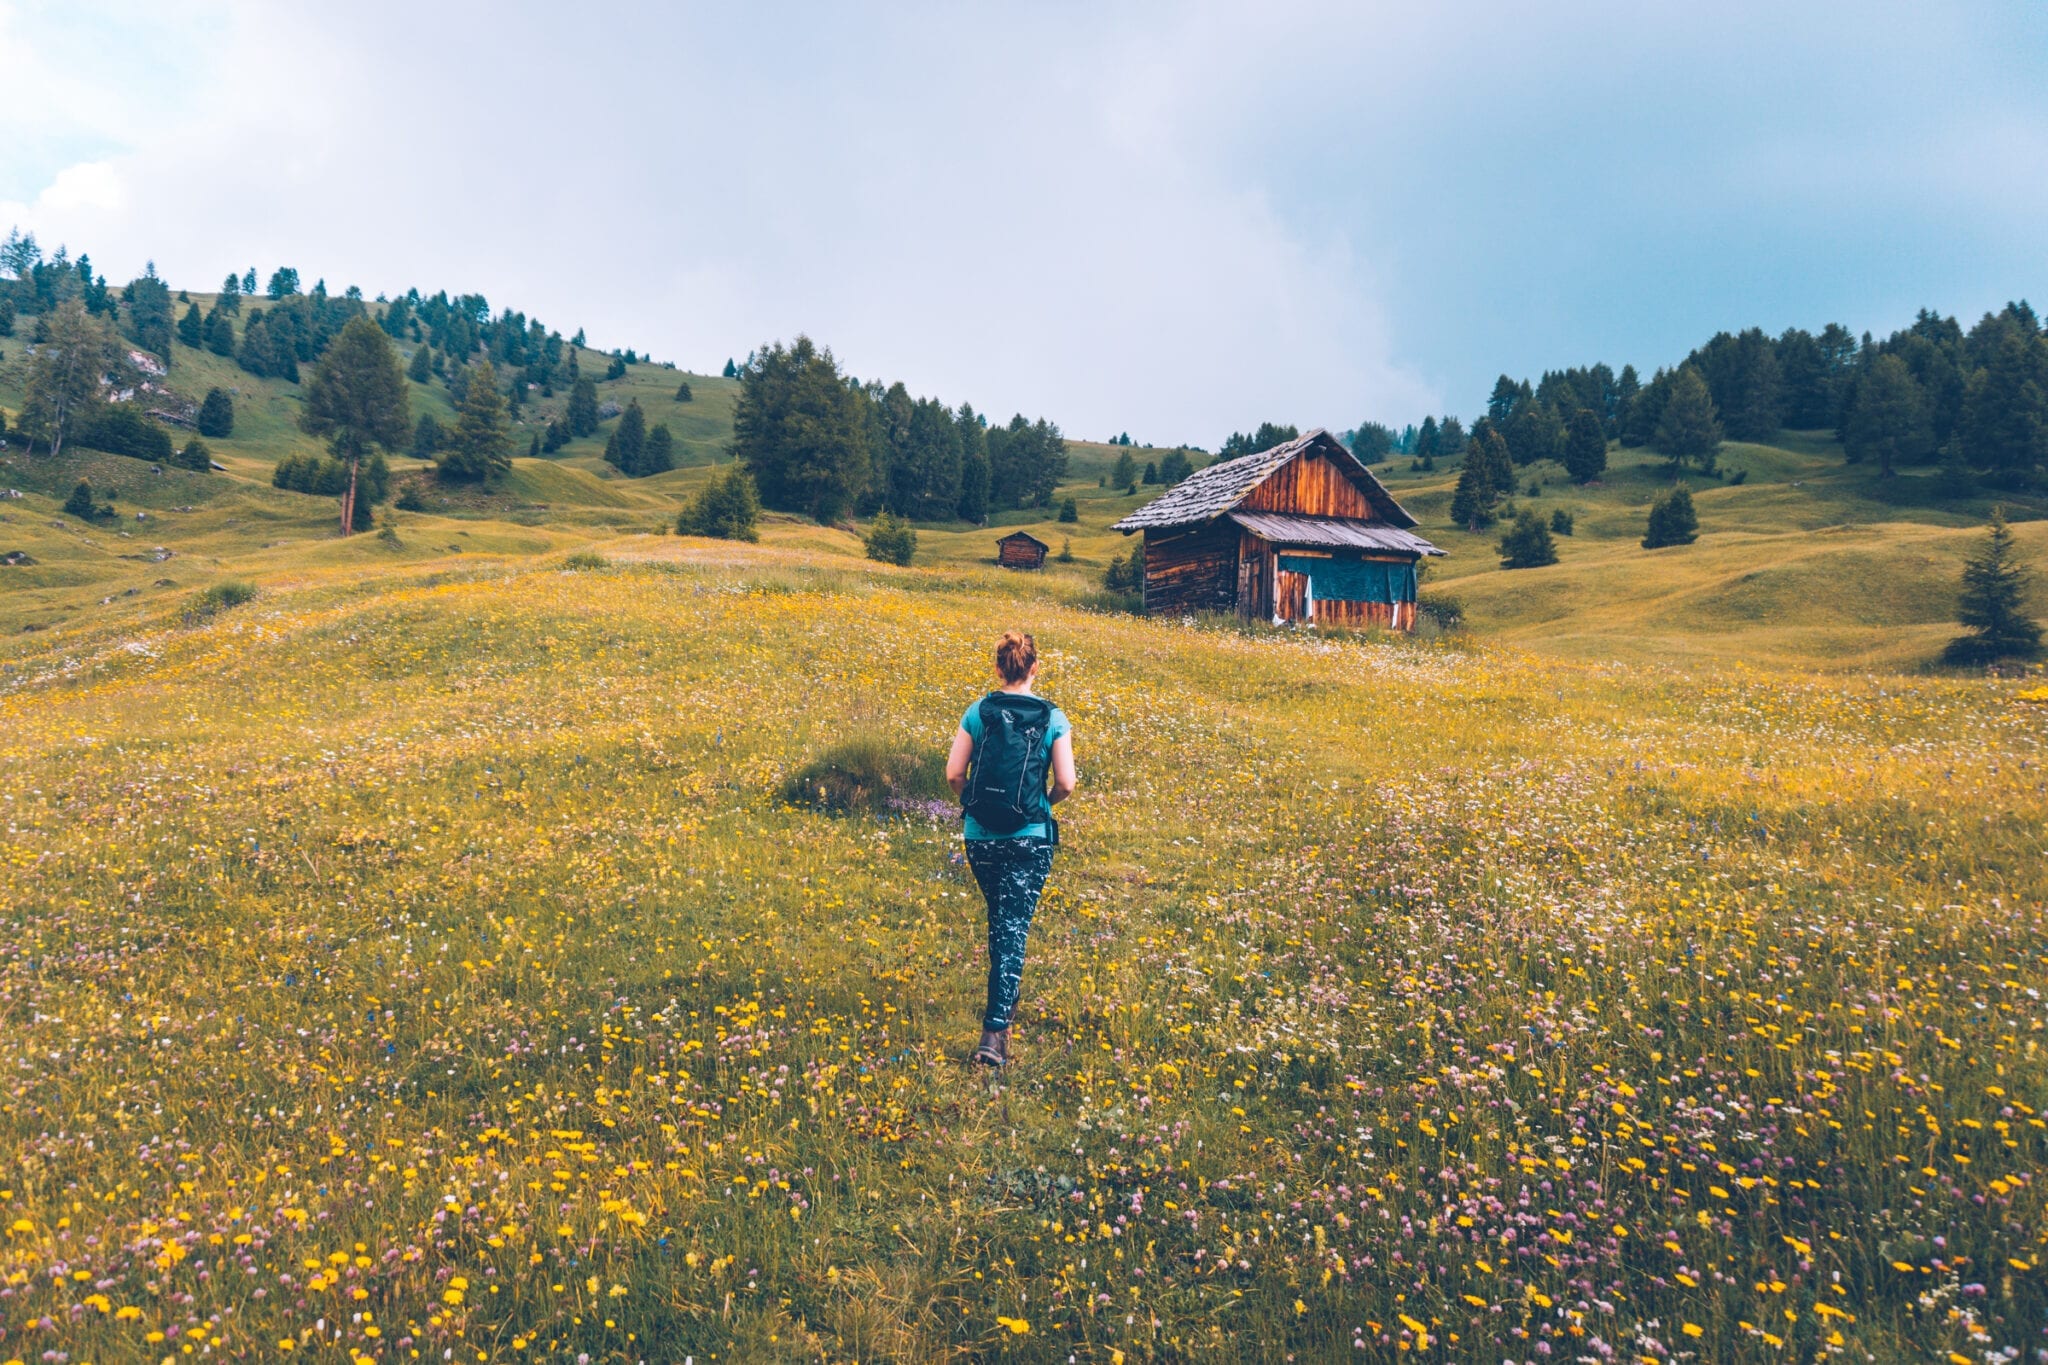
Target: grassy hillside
x=1808 y=563
x=1389 y=998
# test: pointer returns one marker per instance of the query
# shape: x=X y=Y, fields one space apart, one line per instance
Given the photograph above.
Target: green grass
x=1604 y=999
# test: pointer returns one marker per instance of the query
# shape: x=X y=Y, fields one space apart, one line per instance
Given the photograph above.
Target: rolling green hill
x=1808 y=562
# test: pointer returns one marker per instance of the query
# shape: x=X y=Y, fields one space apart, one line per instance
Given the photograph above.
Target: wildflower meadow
x=430 y=966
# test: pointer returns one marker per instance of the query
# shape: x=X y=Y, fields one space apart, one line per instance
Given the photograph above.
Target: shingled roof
x=1211 y=492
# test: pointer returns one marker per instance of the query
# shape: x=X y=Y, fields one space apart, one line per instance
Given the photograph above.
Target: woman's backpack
x=1006 y=785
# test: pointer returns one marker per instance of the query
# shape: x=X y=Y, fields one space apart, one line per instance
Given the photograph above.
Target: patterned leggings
x=1011 y=872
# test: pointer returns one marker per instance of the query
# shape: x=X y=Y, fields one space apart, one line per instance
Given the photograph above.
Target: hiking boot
x=994 y=1050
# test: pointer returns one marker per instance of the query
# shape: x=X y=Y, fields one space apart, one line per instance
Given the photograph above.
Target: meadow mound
x=421 y=956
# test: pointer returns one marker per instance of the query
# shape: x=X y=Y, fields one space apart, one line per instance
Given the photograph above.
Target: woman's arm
x=1063 y=779
x=956 y=761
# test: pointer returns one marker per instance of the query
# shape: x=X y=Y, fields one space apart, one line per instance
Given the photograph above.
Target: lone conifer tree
x=217 y=415
x=358 y=400
x=192 y=327
x=1672 y=520
x=480 y=447
x=1994 y=603
x=422 y=367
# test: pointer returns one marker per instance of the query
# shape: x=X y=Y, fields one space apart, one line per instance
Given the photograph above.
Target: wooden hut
x=1021 y=550
x=1302 y=532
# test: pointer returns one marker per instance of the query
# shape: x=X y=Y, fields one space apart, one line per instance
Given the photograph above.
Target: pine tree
x=427 y=437
x=81 y=505
x=220 y=333
x=1124 y=474
x=627 y=447
x=683 y=394
x=891 y=540
x=1688 y=431
x=1672 y=520
x=1470 y=506
x=557 y=436
x=192 y=328
x=1175 y=467
x=533 y=447
x=249 y=281
x=422 y=367
x=2005 y=408
x=1527 y=544
x=230 y=300
x=1994 y=603
x=798 y=427
x=1887 y=420
x=731 y=371
x=973 y=506
x=582 y=413
x=1069 y=511
x=661 y=450
x=1585 y=447
x=217 y=415
x=480 y=447
x=358 y=400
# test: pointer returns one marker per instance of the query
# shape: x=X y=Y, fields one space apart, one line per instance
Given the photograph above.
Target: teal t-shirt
x=971 y=723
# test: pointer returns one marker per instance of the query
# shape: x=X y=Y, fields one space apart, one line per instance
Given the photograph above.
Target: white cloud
x=1172 y=220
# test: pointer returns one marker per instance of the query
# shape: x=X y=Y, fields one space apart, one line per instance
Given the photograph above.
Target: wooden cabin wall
x=1364 y=615
x=1191 y=570
x=1018 y=554
x=1311 y=486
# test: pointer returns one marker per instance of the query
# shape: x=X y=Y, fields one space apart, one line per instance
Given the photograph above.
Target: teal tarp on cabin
x=1354 y=580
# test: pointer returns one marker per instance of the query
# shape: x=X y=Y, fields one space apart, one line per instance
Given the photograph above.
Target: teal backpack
x=1006 y=783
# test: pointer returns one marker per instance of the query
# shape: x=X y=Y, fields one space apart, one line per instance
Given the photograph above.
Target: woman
x=1006 y=746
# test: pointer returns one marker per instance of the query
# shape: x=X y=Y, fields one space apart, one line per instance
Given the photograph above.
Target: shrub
x=871 y=773
x=1561 y=522
x=1527 y=544
x=1672 y=521
x=1126 y=573
x=891 y=540
x=727 y=508
x=220 y=597
x=1066 y=554
x=81 y=504
x=195 y=457
x=584 y=559
x=1446 y=613
x=122 y=429
x=409 y=499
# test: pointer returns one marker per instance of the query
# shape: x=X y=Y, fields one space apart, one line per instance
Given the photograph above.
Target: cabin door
x=1290 y=596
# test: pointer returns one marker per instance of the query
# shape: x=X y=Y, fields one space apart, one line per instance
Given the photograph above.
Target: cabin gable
x=1312 y=485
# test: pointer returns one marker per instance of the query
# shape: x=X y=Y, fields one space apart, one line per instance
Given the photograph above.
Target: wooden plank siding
x=1365 y=615
x=1311 y=486
x=1020 y=554
x=1191 y=570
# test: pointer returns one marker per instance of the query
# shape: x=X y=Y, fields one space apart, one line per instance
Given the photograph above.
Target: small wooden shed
x=1021 y=550
x=1302 y=532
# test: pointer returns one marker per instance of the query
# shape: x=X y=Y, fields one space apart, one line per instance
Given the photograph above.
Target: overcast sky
x=1176 y=220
